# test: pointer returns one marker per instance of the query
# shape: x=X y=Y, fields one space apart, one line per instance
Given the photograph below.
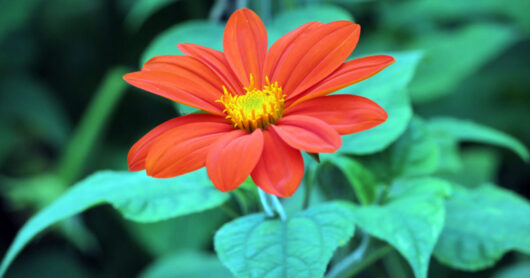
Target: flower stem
x=355 y=257
x=240 y=4
x=240 y=198
x=357 y=266
x=278 y=207
x=265 y=203
x=229 y=211
x=265 y=11
x=219 y=7
x=309 y=183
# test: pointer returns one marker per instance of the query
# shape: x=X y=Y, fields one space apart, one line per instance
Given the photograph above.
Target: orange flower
x=264 y=107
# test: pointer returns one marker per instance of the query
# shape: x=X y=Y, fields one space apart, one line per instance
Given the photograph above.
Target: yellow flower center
x=256 y=108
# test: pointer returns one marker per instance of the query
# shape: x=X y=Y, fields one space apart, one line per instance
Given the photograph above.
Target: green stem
x=240 y=4
x=394 y=266
x=265 y=203
x=354 y=258
x=85 y=135
x=307 y=194
x=369 y=260
x=309 y=182
x=218 y=8
x=241 y=200
x=265 y=11
x=229 y=211
x=357 y=266
x=278 y=207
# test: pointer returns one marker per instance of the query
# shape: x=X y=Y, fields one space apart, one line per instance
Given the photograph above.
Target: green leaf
x=449 y=160
x=452 y=56
x=185 y=265
x=292 y=19
x=411 y=221
x=185 y=109
x=142 y=10
x=478 y=165
x=254 y=246
x=464 y=130
x=387 y=89
x=203 y=33
x=415 y=153
x=481 y=225
x=137 y=196
x=362 y=180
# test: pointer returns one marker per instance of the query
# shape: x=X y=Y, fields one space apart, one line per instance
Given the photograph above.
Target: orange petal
x=216 y=61
x=314 y=55
x=345 y=113
x=233 y=157
x=347 y=74
x=279 y=48
x=308 y=134
x=184 y=148
x=280 y=168
x=138 y=152
x=245 y=45
x=182 y=79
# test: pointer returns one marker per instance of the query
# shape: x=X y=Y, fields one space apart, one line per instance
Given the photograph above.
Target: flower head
x=263 y=105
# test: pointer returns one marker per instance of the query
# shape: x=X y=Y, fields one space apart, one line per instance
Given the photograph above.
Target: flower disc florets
x=256 y=108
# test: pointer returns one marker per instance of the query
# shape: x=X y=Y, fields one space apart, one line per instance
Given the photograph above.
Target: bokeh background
x=65 y=112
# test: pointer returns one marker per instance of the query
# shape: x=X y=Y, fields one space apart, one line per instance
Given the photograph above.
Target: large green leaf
x=137 y=196
x=411 y=221
x=481 y=225
x=186 y=265
x=452 y=56
x=362 y=180
x=388 y=89
x=203 y=33
x=415 y=153
x=477 y=165
x=254 y=246
x=464 y=130
x=142 y=10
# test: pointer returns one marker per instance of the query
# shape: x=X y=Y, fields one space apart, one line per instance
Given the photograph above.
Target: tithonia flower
x=262 y=106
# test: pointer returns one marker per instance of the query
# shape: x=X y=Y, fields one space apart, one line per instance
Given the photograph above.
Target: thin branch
x=354 y=258
x=265 y=203
x=278 y=207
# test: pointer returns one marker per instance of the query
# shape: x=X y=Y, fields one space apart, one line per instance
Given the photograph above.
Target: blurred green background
x=65 y=111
